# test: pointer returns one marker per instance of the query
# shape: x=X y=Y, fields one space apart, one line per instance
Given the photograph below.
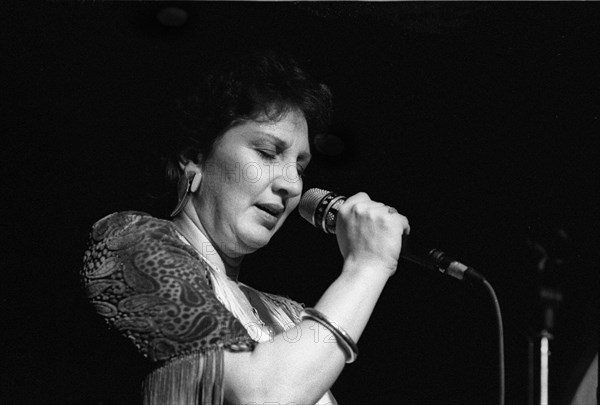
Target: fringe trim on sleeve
x=188 y=380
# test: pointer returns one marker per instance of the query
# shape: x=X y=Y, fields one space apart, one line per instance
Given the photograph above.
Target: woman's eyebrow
x=280 y=143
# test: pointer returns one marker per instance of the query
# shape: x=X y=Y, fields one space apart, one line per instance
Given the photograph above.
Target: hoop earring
x=187 y=185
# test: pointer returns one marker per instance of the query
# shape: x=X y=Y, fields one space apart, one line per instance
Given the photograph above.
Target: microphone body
x=321 y=207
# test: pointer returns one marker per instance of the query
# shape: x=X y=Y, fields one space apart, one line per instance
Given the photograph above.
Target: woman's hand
x=369 y=235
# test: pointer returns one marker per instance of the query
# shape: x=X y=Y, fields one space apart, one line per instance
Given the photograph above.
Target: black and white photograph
x=300 y=202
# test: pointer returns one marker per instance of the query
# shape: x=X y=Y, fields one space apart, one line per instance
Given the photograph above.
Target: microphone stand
x=539 y=377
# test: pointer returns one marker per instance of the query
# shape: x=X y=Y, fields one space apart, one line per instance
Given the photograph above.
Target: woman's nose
x=288 y=181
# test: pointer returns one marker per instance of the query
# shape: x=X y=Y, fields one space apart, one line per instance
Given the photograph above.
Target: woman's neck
x=189 y=221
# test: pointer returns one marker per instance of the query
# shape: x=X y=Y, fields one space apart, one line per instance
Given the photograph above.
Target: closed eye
x=266 y=155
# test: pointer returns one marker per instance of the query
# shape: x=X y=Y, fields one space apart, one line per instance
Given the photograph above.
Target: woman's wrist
x=368 y=268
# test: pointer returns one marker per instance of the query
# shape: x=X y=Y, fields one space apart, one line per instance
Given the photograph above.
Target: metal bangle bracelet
x=341 y=335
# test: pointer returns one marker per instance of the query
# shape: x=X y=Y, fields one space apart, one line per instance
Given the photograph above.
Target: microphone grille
x=309 y=203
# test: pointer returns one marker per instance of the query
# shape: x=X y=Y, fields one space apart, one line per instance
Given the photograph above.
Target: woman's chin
x=256 y=244
x=251 y=242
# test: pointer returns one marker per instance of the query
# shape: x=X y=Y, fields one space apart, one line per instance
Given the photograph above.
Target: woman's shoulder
x=128 y=223
x=129 y=233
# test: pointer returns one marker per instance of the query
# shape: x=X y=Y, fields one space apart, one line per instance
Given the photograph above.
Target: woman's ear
x=192 y=172
x=189 y=182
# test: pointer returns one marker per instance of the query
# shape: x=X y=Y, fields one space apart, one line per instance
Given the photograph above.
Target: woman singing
x=171 y=286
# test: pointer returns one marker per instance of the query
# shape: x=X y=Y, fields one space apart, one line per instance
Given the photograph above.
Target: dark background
x=479 y=121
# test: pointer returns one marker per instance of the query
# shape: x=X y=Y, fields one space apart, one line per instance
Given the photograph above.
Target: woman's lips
x=273 y=209
x=270 y=213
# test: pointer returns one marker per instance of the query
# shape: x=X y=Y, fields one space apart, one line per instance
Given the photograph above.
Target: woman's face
x=252 y=181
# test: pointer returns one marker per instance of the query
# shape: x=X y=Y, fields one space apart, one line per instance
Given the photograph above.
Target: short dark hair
x=250 y=86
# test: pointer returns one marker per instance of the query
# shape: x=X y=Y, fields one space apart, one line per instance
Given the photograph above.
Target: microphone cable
x=501 y=369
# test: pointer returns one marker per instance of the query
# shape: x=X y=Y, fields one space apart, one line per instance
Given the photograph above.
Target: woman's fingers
x=370 y=232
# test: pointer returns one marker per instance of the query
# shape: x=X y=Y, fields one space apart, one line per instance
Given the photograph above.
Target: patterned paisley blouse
x=157 y=291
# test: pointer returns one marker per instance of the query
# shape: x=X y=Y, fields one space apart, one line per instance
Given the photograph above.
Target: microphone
x=321 y=207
